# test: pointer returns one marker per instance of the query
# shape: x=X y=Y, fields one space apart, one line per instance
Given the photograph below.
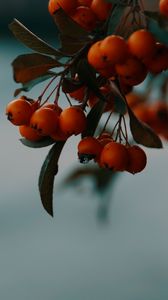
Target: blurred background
x=100 y=245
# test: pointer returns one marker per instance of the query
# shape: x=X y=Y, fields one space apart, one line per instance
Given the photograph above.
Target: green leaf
x=72 y=36
x=39 y=144
x=159 y=32
x=47 y=174
x=26 y=87
x=32 y=41
x=142 y=133
x=115 y=18
x=28 y=67
x=93 y=118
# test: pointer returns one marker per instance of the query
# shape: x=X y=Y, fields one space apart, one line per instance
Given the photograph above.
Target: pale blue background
x=73 y=256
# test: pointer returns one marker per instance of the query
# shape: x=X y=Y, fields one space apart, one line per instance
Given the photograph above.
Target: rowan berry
x=136 y=159
x=95 y=57
x=66 y=5
x=44 y=120
x=29 y=133
x=132 y=71
x=159 y=62
x=72 y=120
x=78 y=94
x=163 y=7
x=101 y=9
x=19 y=111
x=114 y=49
x=142 y=44
x=114 y=156
x=84 y=2
x=89 y=148
x=54 y=107
x=85 y=17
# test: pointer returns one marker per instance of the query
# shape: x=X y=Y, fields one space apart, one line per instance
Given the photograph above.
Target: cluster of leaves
x=70 y=58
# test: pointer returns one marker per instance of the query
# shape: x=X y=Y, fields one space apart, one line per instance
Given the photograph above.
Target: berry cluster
x=37 y=121
x=96 y=69
x=87 y=13
x=130 y=60
x=111 y=154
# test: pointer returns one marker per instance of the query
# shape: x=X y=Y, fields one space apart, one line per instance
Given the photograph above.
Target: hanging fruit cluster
x=106 y=48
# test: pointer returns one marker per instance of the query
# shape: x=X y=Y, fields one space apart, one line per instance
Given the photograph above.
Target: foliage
x=69 y=65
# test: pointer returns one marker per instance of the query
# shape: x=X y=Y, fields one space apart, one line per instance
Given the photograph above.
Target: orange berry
x=104 y=135
x=132 y=71
x=95 y=57
x=101 y=9
x=84 y=2
x=159 y=116
x=29 y=133
x=108 y=71
x=163 y=7
x=130 y=68
x=132 y=81
x=78 y=94
x=106 y=140
x=67 y=5
x=114 y=49
x=109 y=105
x=44 y=120
x=54 y=107
x=19 y=111
x=142 y=44
x=142 y=112
x=114 y=156
x=89 y=148
x=159 y=62
x=105 y=90
x=85 y=17
x=35 y=105
x=58 y=135
x=137 y=159
x=72 y=120
x=134 y=99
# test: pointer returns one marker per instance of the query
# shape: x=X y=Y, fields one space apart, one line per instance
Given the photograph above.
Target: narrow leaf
x=28 y=67
x=32 y=41
x=87 y=75
x=119 y=100
x=26 y=87
x=46 y=179
x=93 y=118
x=70 y=45
x=142 y=133
x=39 y=144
